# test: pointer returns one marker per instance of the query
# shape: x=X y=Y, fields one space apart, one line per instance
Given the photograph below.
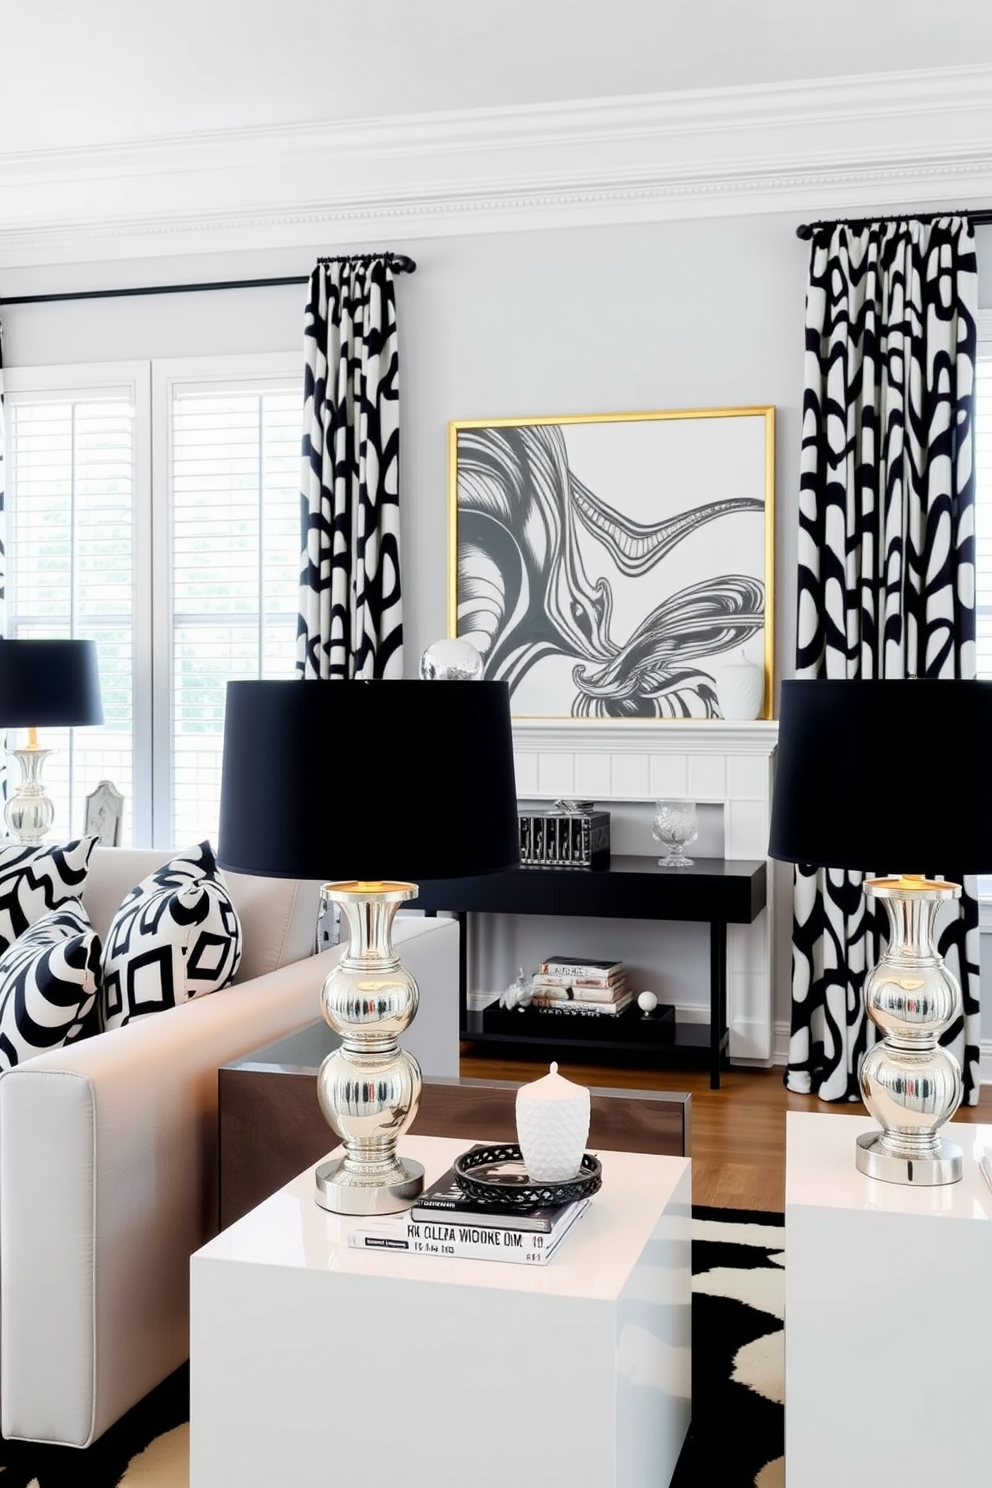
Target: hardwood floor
x=738 y=1131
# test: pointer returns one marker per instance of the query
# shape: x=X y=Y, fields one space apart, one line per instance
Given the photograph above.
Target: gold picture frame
x=608 y=565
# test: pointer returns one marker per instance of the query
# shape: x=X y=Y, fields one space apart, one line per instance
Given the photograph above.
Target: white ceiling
x=91 y=72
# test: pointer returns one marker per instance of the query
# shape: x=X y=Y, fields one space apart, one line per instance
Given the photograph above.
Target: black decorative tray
x=487 y=1175
x=630 y=1026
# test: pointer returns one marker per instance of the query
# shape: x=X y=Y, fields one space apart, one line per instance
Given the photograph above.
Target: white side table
x=315 y=1364
x=888 y=1296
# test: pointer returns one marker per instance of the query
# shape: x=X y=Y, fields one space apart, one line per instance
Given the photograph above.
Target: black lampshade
x=368 y=780
x=49 y=684
x=892 y=777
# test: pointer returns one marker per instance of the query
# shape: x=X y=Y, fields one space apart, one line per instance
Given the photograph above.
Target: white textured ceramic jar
x=740 y=689
x=552 y=1127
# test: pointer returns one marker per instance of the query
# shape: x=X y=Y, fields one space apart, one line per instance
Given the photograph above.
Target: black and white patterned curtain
x=886 y=574
x=3 y=506
x=350 y=622
x=3 y=547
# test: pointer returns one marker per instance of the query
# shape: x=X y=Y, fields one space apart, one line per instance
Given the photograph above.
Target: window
x=183 y=567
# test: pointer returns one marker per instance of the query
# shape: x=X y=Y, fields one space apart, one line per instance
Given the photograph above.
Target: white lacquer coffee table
x=888 y=1292
x=315 y=1364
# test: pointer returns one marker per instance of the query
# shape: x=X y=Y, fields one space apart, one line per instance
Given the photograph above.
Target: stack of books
x=573 y=985
x=444 y=1222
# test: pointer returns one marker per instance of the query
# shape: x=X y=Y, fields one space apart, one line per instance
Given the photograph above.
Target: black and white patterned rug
x=737 y=1435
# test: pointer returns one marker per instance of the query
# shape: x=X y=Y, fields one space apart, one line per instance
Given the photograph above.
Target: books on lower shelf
x=581 y=986
x=569 y=966
x=445 y=1197
x=582 y=1007
x=575 y=989
x=465 y=1239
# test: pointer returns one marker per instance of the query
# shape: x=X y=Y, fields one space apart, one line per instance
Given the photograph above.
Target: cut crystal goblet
x=675 y=824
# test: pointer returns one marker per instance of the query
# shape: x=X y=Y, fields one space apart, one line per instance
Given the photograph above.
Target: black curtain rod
x=807 y=229
x=398 y=262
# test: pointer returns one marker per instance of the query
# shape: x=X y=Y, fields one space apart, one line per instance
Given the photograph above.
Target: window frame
x=149 y=384
x=205 y=374
x=129 y=379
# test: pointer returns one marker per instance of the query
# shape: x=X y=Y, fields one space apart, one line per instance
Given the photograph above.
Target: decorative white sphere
x=647 y=1002
x=451 y=661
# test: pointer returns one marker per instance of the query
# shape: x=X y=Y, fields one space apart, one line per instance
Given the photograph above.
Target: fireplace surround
x=720 y=764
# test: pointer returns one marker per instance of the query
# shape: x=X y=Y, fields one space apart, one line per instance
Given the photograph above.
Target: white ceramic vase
x=552 y=1127
x=740 y=689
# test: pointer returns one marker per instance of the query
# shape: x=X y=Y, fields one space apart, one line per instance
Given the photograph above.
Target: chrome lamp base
x=369 y=1088
x=29 y=813
x=909 y=1082
x=337 y=1190
x=944 y=1166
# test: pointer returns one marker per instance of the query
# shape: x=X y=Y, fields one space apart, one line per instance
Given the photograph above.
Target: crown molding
x=812 y=147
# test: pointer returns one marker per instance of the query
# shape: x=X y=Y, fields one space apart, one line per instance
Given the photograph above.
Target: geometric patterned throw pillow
x=175 y=937
x=34 y=880
x=48 y=985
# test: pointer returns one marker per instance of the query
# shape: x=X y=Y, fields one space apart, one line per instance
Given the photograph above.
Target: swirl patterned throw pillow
x=35 y=880
x=175 y=937
x=48 y=985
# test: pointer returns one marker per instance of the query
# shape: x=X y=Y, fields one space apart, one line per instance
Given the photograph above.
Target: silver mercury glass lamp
x=894 y=774
x=43 y=684
x=311 y=777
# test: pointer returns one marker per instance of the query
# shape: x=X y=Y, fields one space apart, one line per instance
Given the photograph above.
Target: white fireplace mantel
x=636 y=736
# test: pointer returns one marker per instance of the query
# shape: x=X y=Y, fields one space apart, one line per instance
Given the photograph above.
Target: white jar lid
x=552 y=1086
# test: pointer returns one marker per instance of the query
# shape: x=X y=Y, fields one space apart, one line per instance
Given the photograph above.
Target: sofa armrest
x=108 y=1183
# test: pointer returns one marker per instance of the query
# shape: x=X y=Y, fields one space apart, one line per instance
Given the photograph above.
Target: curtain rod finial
x=399 y=262
x=804 y=231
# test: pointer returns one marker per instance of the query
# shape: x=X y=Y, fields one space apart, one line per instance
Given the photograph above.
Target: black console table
x=713 y=890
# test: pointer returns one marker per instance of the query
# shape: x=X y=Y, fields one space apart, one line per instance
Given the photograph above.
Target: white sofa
x=108 y=1156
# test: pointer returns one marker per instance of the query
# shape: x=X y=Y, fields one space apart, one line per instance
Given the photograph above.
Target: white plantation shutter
x=70 y=503
x=235 y=507
x=178 y=555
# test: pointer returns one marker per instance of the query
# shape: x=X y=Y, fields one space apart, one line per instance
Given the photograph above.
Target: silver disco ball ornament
x=451 y=661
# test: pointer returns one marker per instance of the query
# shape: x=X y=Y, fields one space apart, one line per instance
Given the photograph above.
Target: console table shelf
x=714 y=890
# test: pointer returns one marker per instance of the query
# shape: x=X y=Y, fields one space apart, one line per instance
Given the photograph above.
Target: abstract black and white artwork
x=607 y=566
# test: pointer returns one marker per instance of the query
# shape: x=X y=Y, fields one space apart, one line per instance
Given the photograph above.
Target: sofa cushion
x=277 y=915
x=36 y=879
x=176 y=936
x=48 y=985
x=281 y=914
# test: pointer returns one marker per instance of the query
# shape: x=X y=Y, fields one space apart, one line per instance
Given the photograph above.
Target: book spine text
x=581 y=1004
x=443 y=1237
x=594 y=969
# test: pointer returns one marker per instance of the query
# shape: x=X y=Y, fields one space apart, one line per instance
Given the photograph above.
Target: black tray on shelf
x=623 y=1028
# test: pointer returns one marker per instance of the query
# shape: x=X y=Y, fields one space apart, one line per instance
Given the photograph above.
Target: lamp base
x=29 y=812
x=909 y=1081
x=369 y=1088
x=945 y=1166
x=337 y=1190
